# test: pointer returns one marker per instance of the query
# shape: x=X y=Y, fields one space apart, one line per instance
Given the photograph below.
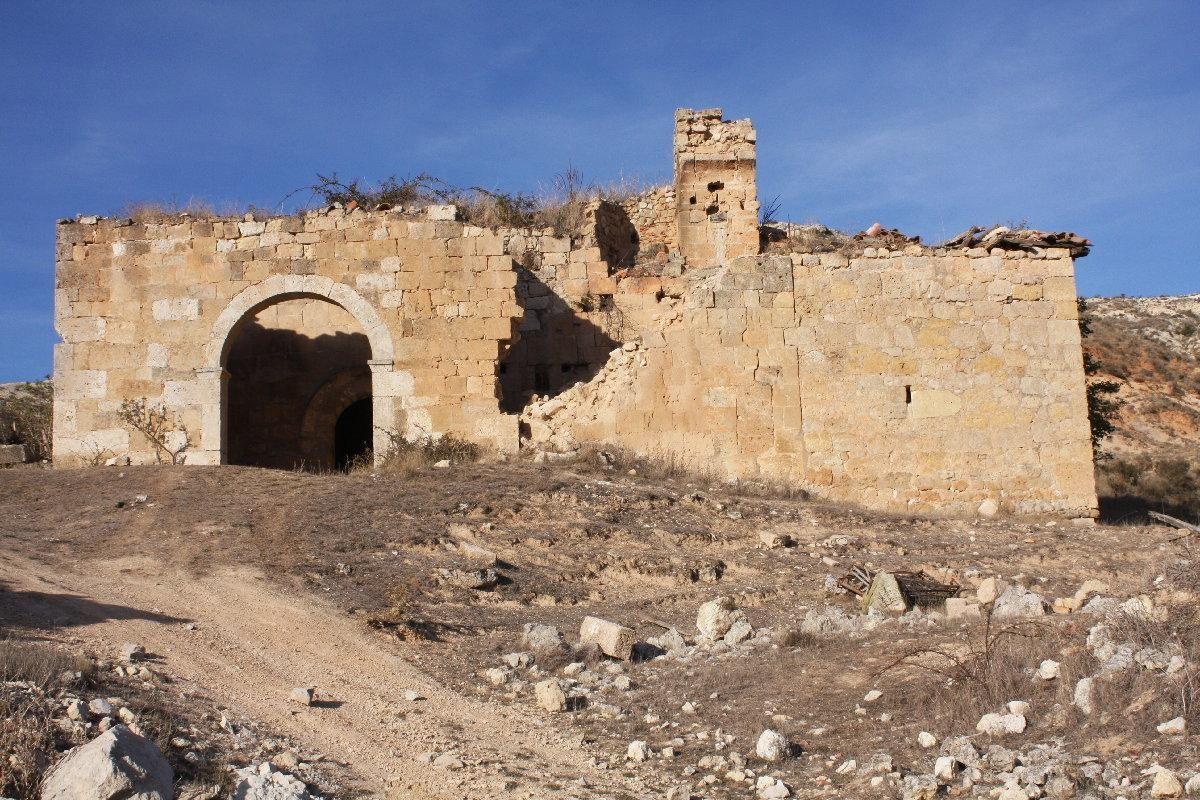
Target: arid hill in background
x=1150 y=348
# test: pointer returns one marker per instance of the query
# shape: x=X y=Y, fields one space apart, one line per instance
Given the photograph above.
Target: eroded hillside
x=1150 y=348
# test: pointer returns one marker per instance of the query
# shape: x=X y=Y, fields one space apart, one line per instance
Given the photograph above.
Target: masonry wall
x=937 y=381
x=924 y=381
x=149 y=310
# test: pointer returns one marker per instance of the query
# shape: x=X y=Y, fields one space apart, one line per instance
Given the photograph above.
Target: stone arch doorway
x=287 y=357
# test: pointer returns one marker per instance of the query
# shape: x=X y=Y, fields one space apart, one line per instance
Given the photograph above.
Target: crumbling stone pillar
x=715 y=187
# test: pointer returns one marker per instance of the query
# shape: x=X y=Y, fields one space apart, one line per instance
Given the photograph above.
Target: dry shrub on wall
x=169 y=437
x=562 y=206
x=26 y=417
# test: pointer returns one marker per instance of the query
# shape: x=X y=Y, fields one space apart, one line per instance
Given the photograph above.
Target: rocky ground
x=439 y=619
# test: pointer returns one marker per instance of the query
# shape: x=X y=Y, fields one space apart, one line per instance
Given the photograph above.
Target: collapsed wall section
x=916 y=380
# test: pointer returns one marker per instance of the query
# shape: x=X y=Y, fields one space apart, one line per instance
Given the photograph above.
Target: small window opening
x=692 y=199
x=715 y=186
x=908 y=394
x=713 y=209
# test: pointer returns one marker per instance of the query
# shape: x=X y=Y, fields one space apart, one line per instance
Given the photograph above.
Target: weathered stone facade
x=905 y=378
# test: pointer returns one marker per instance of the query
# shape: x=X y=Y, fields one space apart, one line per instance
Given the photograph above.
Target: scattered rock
x=476 y=579
x=1166 y=784
x=1017 y=601
x=517 y=660
x=772 y=746
x=302 y=695
x=1174 y=727
x=738 y=632
x=989 y=508
x=1048 y=670
x=919 y=787
x=962 y=608
x=77 y=710
x=116 y=765
x=550 y=695
x=613 y=640
x=926 y=740
x=716 y=617
x=264 y=782
x=541 y=638
x=100 y=707
x=637 y=751
x=993 y=724
x=773 y=540
x=496 y=676
x=1084 y=695
x=132 y=652
x=989 y=589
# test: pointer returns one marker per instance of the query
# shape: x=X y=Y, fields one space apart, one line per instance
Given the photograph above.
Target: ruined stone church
x=869 y=369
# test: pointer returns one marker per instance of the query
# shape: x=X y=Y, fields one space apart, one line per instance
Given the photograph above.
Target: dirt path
x=253 y=642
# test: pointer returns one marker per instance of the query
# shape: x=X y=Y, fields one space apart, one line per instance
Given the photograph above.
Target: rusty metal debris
x=896 y=591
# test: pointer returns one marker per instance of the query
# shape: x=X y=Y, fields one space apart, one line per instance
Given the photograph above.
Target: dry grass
x=156 y=212
x=29 y=738
x=29 y=741
x=673 y=468
x=405 y=458
x=966 y=679
x=39 y=664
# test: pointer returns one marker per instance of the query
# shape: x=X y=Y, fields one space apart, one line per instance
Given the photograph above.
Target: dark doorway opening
x=352 y=435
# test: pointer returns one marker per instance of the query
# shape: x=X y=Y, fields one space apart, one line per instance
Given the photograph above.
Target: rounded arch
x=213 y=379
x=287 y=287
x=323 y=409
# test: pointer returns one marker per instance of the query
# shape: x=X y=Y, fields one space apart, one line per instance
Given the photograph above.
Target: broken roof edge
x=816 y=237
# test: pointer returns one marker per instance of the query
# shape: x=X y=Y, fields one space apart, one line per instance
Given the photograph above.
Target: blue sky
x=927 y=116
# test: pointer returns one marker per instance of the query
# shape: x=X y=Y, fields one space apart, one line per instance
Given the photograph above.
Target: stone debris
x=637 y=751
x=716 y=617
x=993 y=724
x=1173 y=727
x=614 y=640
x=926 y=740
x=265 y=782
x=1084 y=695
x=132 y=652
x=1166 y=784
x=542 y=638
x=116 y=765
x=1048 y=670
x=550 y=695
x=1016 y=602
x=772 y=746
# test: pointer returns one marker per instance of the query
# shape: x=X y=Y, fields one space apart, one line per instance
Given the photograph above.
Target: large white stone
x=612 y=639
x=772 y=746
x=116 y=765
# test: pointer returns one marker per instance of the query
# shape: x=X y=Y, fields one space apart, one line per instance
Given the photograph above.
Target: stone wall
x=716 y=192
x=922 y=380
x=152 y=310
x=911 y=379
